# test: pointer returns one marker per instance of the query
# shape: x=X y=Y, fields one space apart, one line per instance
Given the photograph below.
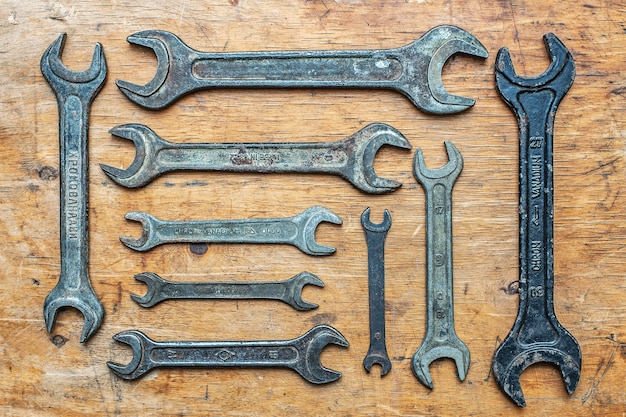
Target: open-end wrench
x=375 y=235
x=414 y=69
x=351 y=158
x=301 y=354
x=288 y=291
x=298 y=231
x=537 y=335
x=74 y=92
x=441 y=340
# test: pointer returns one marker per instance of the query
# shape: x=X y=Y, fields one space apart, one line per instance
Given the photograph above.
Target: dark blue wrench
x=537 y=335
x=74 y=92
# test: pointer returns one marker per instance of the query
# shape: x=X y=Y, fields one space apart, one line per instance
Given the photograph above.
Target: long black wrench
x=414 y=69
x=74 y=92
x=351 y=158
x=288 y=291
x=375 y=235
x=301 y=354
x=537 y=335
x=441 y=340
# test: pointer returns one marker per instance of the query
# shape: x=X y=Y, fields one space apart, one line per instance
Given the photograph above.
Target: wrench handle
x=224 y=290
x=376 y=284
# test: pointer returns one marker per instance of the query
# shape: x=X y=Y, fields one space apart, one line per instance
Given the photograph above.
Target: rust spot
x=324 y=318
x=59 y=340
x=48 y=173
x=199 y=248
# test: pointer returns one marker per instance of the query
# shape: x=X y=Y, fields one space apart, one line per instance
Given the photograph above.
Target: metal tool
x=375 y=235
x=414 y=69
x=441 y=340
x=301 y=354
x=288 y=291
x=74 y=92
x=298 y=231
x=351 y=158
x=537 y=335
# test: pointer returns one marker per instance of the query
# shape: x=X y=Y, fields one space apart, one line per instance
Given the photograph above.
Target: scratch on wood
x=601 y=372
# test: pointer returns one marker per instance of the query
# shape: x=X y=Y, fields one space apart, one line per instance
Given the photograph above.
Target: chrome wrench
x=74 y=92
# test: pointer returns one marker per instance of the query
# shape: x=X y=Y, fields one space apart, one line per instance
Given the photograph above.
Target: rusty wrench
x=351 y=158
x=375 y=235
x=414 y=69
x=441 y=340
x=74 y=92
x=537 y=335
x=301 y=354
x=298 y=231
x=288 y=291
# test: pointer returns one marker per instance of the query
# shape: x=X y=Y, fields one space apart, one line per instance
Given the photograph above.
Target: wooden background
x=53 y=374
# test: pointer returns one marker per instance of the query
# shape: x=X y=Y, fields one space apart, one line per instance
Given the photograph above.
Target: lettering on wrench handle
x=298 y=231
x=288 y=291
x=441 y=340
x=537 y=335
x=74 y=92
x=414 y=69
x=301 y=354
x=375 y=235
x=351 y=158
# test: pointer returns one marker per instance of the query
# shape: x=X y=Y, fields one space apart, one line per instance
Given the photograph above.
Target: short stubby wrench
x=375 y=235
x=288 y=291
x=414 y=69
x=351 y=158
x=441 y=340
x=298 y=231
x=74 y=92
x=301 y=354
x=537 y=335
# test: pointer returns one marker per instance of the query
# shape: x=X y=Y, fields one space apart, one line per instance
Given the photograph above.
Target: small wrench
x=74 y=93
x=441 y=340
x=301 y=354
x=298 y=231
x=351 y=158
x=414 y=69
x=537 y=335
x=288 y=291
x=375 y=235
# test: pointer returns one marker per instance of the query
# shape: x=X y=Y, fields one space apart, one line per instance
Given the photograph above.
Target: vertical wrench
x=441 y=340
x=537 y=335
x=74 y=92
x=375 y=235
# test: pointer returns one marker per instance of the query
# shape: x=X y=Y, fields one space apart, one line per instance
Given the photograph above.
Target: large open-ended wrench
x=74 y=92
x=351 y=158
x=441 y=340
x=414 y=69
x=537 y=335
x=301 y=354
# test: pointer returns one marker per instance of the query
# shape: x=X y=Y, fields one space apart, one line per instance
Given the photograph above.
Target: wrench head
x=374 y=227
x=433 y=349
x=294 y=287
x=311 y=344
x=147 y=146
x=139 y=365
x=307 y=222
x=450 y=171
x=148 y=238
x=154 y=283
x=381 y=359
x=363 y=147
x=84 y=84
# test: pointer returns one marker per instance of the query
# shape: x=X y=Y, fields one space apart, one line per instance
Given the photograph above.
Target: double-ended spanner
x=351 y=158
x=414 y=69
x=298 y=231
x=301 y=354
x=537 y=336
x=441 y=340
x=288 y=291
x=74 y=93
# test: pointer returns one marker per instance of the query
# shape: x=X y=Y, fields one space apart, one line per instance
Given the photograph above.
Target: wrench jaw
x=307 y=222
x=429 y=352
x=312 y=343
x=148 y=239
x=366 y=144
x=374 y=227
x=155 y=284
x=140 y=364
x=147 y=147
x=450 y=171
x=381 y=359
x=295 y=285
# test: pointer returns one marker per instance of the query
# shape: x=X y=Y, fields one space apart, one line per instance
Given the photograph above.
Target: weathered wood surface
x=52 y=374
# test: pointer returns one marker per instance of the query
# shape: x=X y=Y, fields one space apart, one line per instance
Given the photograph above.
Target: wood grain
x=52 y=374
